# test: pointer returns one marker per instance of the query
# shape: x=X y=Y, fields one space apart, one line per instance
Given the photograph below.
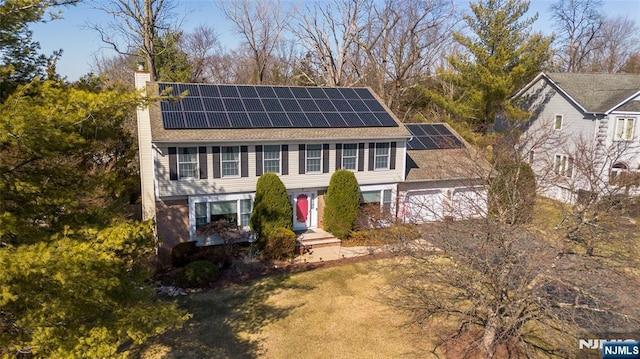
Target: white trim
x=624 y=119
x=306 y=158
x=355 y=169
x=375 y=157
x=312 y=209
x=222 y=161
x=264 y=158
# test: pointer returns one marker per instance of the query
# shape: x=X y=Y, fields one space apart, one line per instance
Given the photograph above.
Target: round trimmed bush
x=280 y=244
x=342 y=204
x=197 y=274
x=272 y=207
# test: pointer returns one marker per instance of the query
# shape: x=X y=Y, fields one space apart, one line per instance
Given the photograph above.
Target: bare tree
x=135 y=27
x=579 y=24
x=619 y=41
x=261 y=24
x=329 y=32
x=501 y=288
x=401 y=41
x=202 y=47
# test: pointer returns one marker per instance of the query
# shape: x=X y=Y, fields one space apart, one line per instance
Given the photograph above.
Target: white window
x=624 y=128
x=531 y=157
x=557 y=123
x=201 y=214
x=230 y=211
x=188 y=162
x=378 y=199
x=314 y=158
x=382 y=156
x=563 y=165
x=386 y=201
x=350 y=156
x=245 y=212
x=230 y=161
x=272 y=158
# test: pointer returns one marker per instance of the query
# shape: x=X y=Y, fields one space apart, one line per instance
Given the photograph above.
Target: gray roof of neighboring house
x=597 y=93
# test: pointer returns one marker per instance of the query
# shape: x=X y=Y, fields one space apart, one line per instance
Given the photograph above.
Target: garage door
x=424 y=206
x=469 y=203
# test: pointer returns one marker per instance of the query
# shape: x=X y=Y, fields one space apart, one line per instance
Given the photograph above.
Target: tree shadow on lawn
x=224 y=322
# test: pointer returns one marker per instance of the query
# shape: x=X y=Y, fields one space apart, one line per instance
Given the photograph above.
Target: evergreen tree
x=499 y=55
x=272 y=208
x=342 y=204
x=20 y=60
x=172 y=64
x=64 y=157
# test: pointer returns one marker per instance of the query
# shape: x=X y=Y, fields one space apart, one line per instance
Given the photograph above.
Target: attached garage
x=445 y=177
x=469 y=203
x=424 y=206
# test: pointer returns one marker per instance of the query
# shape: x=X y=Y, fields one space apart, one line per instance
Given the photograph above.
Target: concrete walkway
x=331 y=253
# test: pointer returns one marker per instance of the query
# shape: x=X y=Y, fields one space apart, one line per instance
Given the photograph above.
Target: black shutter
x=372 y=157
x=285 y=160
x=360 y=157
x=338 y=156
x=258 y=160
x=325 y=158
x=392 y=160
x=244 y=161
x=173 y=163
x=202 y=156
x=302 y=159
x=216 y=162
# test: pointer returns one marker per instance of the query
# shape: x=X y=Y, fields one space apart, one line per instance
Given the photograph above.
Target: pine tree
x=499 y=56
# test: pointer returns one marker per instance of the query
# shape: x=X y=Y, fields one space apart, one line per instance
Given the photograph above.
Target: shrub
x=342 y=204
x=280 y=244
x=512 y=193
x=181 y=253
x=272 y=208
x=197 y=274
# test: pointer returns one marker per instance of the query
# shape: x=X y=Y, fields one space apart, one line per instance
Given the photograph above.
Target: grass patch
x=335 y=312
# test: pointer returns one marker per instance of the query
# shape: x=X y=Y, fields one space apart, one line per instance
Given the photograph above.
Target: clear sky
x=81 y=45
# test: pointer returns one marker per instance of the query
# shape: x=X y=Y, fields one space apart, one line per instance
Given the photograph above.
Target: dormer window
x=557 y=124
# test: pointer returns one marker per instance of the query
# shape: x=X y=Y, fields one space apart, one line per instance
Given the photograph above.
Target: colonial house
x=582 y=137
x=203 y=149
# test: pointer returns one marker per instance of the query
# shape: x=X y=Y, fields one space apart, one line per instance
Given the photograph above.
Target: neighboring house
x=201 y=155
x=582 y=137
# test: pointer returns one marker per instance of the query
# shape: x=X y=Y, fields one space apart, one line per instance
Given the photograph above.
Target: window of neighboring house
x=557 y=124
x=531 y=157
x=272 y=158
x=617 y=172
x=350 y=156
x=188 y=162
x=563 y=165
x=624 y=128
x=230 y=161
x=314 y=158
x=382 y=156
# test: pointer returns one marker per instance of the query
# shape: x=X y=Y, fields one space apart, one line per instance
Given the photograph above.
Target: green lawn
x=337 y=312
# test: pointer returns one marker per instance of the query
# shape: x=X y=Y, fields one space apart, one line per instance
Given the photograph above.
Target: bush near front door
x=342 y=203
x=272 y=208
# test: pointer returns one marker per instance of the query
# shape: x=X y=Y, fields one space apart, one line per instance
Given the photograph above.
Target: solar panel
x=244 y=106
x=428 y=136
